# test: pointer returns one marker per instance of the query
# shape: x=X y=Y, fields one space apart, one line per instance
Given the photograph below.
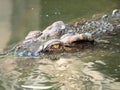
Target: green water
x=91 y=69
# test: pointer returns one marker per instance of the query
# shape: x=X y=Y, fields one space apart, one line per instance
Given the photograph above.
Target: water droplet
x=47 y=15
x=32 y=8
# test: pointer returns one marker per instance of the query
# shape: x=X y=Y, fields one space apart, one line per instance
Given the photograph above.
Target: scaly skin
x=60 y=37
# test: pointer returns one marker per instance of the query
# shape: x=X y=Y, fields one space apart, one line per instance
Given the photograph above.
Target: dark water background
x=96 y=69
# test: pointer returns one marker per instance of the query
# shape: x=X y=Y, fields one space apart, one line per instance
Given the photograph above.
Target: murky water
x=91 y=69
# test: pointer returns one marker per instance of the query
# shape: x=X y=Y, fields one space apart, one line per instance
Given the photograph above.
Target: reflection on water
x=97 y=69
x=25 y=17
x=89 y=70
x=5 y=15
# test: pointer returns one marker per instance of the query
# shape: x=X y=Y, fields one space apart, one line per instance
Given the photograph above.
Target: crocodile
x=61 y=37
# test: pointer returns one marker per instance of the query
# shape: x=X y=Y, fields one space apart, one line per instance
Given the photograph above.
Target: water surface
x=90 y=69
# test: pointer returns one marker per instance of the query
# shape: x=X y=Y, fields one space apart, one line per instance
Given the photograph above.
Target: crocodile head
x=52 y=46
x=68 y=43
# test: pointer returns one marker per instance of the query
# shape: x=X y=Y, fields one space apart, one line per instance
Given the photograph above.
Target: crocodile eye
x=56 y=46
